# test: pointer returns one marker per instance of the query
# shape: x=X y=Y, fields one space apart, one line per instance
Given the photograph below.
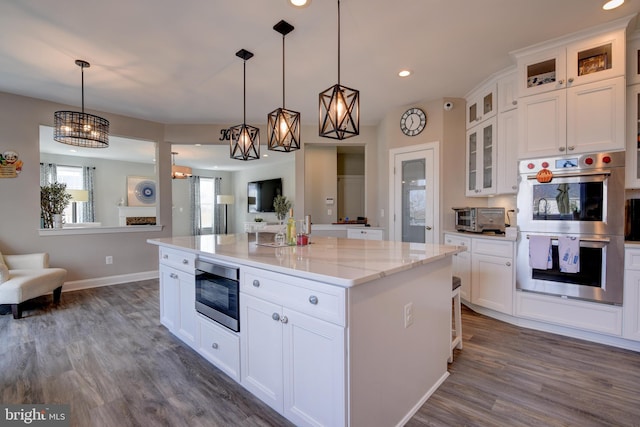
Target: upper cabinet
x=598 y=57
x=632 y=155
x=633 y=59
x=572 y=94
x=481 y=105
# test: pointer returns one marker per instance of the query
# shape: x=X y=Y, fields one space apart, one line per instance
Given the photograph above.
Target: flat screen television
x=260 y=194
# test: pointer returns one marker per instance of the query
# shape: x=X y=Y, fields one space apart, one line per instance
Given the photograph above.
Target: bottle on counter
x=291 y=229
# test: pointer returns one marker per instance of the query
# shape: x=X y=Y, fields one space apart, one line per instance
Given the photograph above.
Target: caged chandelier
x=339 y=107
x=81 y=129
x=284 y=125
x=245 y=139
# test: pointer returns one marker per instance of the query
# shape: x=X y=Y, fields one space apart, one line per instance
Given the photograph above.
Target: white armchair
x=28 y=276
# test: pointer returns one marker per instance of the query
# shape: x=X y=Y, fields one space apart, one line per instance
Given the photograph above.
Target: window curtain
x=194 y=204
x=48 y=173
x=89 y=211
x=218 y=210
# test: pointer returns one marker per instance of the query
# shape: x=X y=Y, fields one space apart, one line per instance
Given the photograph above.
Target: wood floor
x=104 y=351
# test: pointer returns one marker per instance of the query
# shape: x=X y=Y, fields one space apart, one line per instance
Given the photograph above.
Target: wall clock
x=413 y=121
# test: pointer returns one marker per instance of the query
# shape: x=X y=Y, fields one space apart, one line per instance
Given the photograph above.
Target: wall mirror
x=209 y=161
x=108 y=184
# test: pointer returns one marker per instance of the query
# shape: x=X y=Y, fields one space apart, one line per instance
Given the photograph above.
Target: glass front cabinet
x=482 y=105
x=481 y=159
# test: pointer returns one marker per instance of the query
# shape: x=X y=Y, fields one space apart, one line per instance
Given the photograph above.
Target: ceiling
x=174 y=62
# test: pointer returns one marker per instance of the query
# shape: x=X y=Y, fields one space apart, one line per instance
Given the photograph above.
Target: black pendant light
x=284 y=125
x=339 y=107
x=81 y=129
x=245 y=139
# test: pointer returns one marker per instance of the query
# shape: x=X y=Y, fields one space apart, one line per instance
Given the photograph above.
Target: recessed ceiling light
x=612 y=4
x=404 y=73
x=300 y=3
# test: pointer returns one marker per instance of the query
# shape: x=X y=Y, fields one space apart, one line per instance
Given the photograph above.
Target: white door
x=414 y=194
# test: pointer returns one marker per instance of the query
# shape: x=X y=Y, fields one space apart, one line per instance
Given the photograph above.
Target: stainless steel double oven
x=582 y=197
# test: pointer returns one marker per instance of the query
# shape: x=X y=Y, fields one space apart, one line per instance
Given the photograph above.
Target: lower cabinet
x=219 y=346
x=365 y=233
x=292 y=361
x=631 y=307
x=177 y=303
x=487 y=270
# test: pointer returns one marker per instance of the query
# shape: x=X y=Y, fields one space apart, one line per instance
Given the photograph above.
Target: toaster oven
x=479 y=220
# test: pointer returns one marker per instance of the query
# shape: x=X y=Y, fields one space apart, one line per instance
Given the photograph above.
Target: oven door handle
x=587 y=242
x=575 y=174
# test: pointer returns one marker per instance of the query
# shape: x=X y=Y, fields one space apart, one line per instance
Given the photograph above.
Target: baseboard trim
x=97 y=282
x=422 y=401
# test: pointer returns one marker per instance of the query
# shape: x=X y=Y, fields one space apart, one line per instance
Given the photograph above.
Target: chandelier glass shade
x=79 y=128
x=283 y=125
x=245 y=139
x=339 y=109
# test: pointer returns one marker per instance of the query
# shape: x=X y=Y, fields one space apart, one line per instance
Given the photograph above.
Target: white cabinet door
x=631 y=307
x=596 y=116
x=542 y=121
x=169 y=297
x=508 y=92
x=481 y=159
x=492 y=282
x=482 y=105
x=632 y=157
x=507 y=153
x=314 y=375
x=261 y=350
x=219 y=346
x=188 y=322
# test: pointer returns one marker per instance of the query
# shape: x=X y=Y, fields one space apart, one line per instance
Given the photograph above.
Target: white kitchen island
x=341 y=332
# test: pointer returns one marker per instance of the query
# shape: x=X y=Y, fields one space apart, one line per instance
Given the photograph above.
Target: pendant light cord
x=338 y=42
x=82 y=74
x=244 y=93
x=283 y=89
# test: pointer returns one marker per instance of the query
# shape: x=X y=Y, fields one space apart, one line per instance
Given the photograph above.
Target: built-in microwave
x=218 y=293
x=479 y=219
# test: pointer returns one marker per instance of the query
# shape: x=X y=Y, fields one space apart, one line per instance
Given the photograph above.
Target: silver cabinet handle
x=165 y=256
x=448 y=240
x=256 y=283
x=514 y=102
x=313 y=299
x=571 y=148
x=570 y=79
x=185 y=261
x=173 y=275
x=561 y=148
x=514 y=187
x=275 y=316
x=508 y=264
x=284 y=319
x=560 y=82
x=428 y=227
x=214 y=345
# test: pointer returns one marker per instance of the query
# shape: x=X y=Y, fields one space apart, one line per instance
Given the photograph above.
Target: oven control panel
x=568 y=163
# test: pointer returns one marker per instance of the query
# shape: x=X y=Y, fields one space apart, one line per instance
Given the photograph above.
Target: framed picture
x=141 y=191
x=592 y=64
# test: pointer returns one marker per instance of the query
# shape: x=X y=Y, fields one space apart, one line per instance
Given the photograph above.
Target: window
x=207 y=204
x=73 y=177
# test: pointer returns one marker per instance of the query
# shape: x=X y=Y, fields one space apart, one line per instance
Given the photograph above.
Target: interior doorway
x=414 y=194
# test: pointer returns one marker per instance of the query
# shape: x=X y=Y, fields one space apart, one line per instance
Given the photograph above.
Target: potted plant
x=53 y=201
x=281 y=205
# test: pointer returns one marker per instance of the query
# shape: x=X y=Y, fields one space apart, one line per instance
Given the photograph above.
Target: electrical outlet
x=329 y=211
x=108 y=260
x=408 y=315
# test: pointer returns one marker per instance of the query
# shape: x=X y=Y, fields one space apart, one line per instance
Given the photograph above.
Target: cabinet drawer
x=178 y=259
x=632 y=259
x=456 y=240
x=319 y=300
x=220 y=347
x=493 y=247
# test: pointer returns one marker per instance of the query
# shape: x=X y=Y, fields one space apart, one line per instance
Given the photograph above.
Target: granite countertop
x=337 y=261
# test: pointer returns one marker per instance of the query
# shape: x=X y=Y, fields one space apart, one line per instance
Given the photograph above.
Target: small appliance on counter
x=479 y=220
x=632 y=220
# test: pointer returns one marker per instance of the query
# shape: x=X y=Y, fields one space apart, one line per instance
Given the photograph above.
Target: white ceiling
x=174 y=61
